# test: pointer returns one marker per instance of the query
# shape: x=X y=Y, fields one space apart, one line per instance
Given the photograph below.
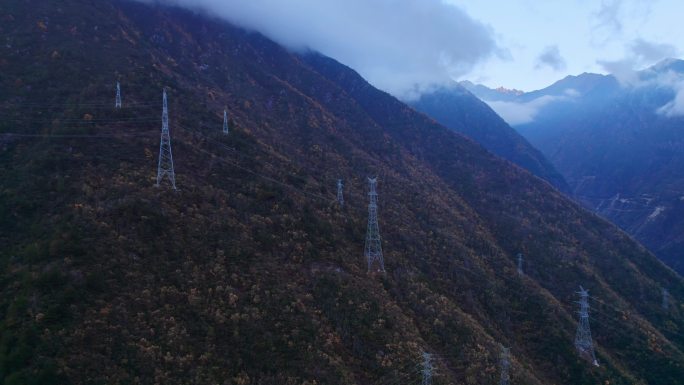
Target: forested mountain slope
x=251 y=273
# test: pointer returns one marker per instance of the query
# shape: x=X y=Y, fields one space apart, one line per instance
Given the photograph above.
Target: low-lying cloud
x=405 y=47
x=640 y=53
x=623 y=70
x=518 y=113
x=675 y=107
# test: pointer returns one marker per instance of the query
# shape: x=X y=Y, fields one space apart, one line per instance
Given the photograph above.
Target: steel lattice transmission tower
x=373 y=250
x=225 y=122
x=520 y=264
x=428 y=369
x=340 y=195
x=583 y=342
x=165 y=166
x=666 y=299
x=117 y=103
x=505 y=362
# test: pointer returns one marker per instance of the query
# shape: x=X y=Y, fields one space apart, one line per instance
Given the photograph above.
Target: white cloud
x=571 y=92
x=650 y=52
x=608 y=16
x=404 y=47
x=614 y=18
x=676 y=106
x=624 y=70
x=640 y=53
x=552 y=58
x=625 y=73
x=517 y=113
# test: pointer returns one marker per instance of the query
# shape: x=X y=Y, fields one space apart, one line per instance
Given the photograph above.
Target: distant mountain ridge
x=619 y=147
x=484 y=92
x=458 y=109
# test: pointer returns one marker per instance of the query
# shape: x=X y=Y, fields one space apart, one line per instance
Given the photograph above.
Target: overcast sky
x=550 y=39
x=408 y=46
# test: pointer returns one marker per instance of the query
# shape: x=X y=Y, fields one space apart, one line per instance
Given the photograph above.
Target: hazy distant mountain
x=487 y=93
x=619 y=144
x=458 y=109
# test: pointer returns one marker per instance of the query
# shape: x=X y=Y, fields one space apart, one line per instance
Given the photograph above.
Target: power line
x=265 y=177
x=610 y=326
x=635 y=312
x=647 y=338
x=582 y=333
x=625 y=313
x=611 y=329
x=108 y=105
x=94 y=136
x=81 y=120
x=246 y=169
x=216 y=142
x=234 y=164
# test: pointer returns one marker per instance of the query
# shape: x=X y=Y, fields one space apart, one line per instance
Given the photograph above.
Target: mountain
x=458 y=109
x=620 y=151
x=251 y=273
x=483 y=92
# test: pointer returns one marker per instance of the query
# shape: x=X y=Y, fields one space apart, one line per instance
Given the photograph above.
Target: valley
x=616 y=147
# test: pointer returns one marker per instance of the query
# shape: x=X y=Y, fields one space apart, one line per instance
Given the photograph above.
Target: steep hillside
x=458 y=109
x=251 y=273
x=619 y=151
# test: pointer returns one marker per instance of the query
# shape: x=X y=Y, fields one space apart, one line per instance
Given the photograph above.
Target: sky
x=548 y=40
x=408 y=47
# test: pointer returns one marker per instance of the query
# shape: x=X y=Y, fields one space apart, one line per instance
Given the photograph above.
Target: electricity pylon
x=225 y=121
x=373 y=250
x=583 y=342
x=505 y=366
x=340 y=196
x=666 y=299
x=428 y=369
x=520 y=264
x=165 y=166
x=117 y=102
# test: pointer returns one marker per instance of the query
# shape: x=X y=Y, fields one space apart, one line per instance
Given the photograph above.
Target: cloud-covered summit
x=640 y=54
x=404 y=47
